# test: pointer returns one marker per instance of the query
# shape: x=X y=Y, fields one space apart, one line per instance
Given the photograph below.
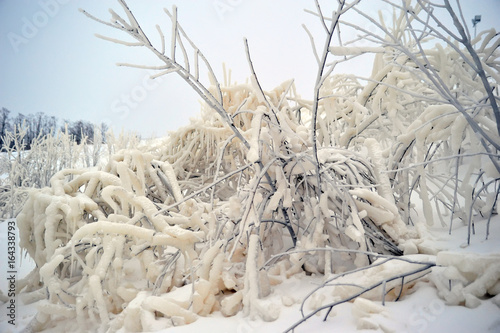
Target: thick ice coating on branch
x=134 y=231
x=466 y=278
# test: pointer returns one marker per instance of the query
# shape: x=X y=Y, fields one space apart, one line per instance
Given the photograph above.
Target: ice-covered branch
x=381 y=279
x=134 y=30
x=479 y=66
x=320 y=76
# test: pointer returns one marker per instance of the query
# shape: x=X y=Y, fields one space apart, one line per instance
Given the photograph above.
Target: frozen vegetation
x=350 y=192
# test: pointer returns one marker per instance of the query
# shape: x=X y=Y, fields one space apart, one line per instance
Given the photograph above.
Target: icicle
x=254 y=152
x=375 y=153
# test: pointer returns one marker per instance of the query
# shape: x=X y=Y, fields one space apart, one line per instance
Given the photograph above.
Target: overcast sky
x=51 y=62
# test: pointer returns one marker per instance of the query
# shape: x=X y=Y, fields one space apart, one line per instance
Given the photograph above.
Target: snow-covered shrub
x=386 y=279
x=138 y=232
x=429 y=103
x=22 y=169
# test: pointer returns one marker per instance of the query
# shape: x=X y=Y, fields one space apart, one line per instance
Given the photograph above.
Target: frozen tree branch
x=320 y=77
x=134 y=30
x=465 y=40
x=425 y=266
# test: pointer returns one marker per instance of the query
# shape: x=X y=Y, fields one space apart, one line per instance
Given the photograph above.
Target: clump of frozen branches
x=167 y=248
x=431 y=105
x=157 y=237
x=22 y=169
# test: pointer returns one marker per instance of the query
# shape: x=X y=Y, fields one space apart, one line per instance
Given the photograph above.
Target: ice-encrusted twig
x=134 y=30
x=383 y=282
x=321 y=76
x=194 y=194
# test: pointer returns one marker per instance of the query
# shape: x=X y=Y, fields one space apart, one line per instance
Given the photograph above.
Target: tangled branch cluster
x=121 y=242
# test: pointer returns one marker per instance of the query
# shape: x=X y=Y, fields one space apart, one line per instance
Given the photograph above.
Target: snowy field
x=421 y=310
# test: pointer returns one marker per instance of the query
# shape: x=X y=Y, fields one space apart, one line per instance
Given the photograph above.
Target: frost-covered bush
x=261 y=186
x=135 y=232
x=430 y=102
x=22 y=169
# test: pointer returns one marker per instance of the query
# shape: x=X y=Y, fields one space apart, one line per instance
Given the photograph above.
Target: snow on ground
x=420 y=311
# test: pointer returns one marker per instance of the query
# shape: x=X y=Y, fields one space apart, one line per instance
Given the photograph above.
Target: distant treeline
x=39 y=125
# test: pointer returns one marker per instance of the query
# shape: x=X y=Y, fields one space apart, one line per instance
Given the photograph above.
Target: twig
x=373 y=286
x=192 y=195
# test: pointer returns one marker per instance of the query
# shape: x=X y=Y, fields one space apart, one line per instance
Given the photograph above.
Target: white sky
x=60 y=67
